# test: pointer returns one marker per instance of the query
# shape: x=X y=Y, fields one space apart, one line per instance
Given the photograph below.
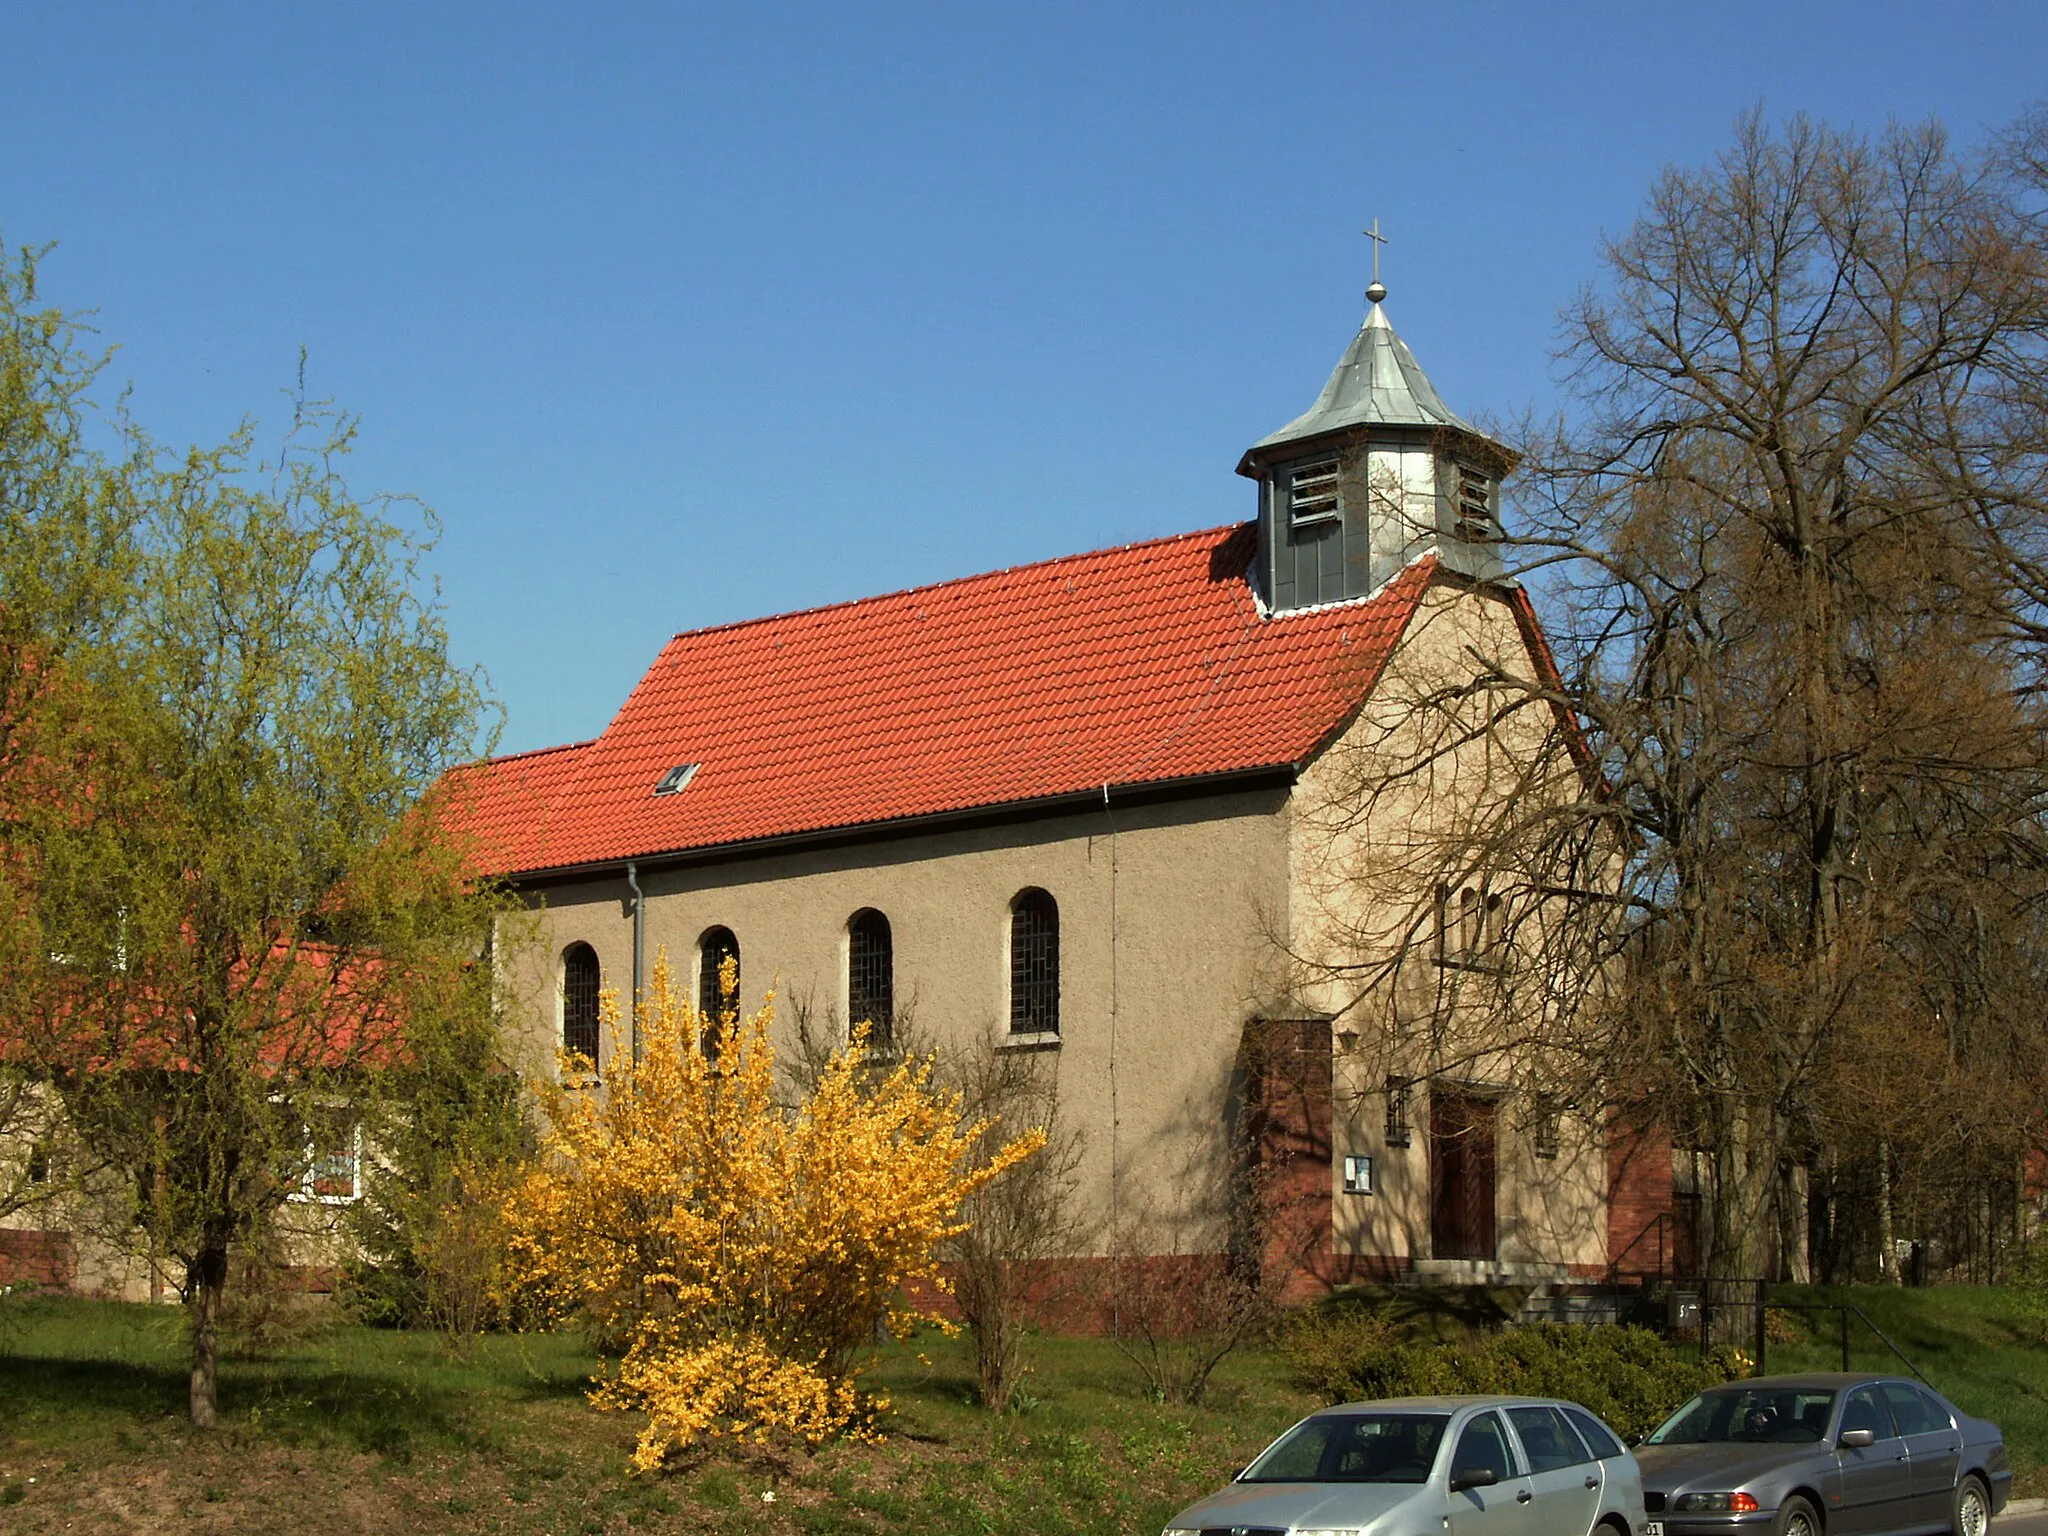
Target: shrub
x=1628 y=1376
x=2029 y=1290
x=1782 y=1327
x=744 y=1251
x=452 y=1135
x=1011 y=1227
x=267 y=1307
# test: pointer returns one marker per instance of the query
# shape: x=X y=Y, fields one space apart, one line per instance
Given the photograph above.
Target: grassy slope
x=360 y=1430
x=375 y=1431
x=1976 y=1344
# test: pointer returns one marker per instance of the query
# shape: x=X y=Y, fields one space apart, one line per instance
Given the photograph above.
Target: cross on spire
x=1378 y=290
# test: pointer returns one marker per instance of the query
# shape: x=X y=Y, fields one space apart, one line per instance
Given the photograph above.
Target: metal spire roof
x=1377 y=383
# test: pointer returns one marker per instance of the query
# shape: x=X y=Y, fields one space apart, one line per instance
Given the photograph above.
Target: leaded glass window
x=718 y=985
x=870 y=975
x=713 y=998
x=581 y=980
x=1034 y=963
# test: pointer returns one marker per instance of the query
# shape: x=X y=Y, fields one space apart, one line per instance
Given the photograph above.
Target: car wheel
x=1796 y=1517
x=1973 y=1509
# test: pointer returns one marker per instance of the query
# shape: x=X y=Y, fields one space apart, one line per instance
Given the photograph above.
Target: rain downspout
x=1115 y=1191
x=639 y=946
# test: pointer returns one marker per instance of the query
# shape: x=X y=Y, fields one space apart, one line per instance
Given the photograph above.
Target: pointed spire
x=1377 y=383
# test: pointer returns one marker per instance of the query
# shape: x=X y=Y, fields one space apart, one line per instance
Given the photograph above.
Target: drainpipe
x=1116 y=1321
x=639 y=947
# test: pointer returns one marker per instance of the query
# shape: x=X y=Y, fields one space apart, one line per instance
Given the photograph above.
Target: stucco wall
x=1164 y=954
x=1372 y=825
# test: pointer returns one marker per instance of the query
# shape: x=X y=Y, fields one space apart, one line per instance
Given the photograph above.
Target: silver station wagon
x=1851 y=1455
x=1418 y=1466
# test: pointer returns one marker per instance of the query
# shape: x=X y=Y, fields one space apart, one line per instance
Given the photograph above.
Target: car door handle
x=1592 y=1482
x=1524 y=1496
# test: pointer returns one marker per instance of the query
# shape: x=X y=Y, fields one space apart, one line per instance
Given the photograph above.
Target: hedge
x=1628 y=1376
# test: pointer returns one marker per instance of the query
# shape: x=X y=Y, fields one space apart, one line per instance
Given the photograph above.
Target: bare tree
x=1006 y=1262
x=1773 y=815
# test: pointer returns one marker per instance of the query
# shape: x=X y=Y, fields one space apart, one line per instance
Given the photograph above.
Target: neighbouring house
x=1093 y=808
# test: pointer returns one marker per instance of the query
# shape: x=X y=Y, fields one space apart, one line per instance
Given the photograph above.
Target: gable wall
x=1191 y=887
x=1363 y=869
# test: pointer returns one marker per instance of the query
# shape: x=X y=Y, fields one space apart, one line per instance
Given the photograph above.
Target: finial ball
x=1377 y=291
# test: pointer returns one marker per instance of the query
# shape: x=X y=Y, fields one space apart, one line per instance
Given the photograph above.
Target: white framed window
x=334 y=1157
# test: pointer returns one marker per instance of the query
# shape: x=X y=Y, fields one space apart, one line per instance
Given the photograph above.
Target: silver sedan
x=1418 y=1466
x=1851 y=1455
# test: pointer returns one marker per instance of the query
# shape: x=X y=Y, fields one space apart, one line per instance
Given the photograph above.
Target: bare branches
x=1792 y=563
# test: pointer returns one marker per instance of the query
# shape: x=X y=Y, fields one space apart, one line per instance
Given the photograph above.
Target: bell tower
x=1377 y=472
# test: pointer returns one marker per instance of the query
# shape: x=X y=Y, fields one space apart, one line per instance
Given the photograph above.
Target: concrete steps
x=1582 y=1305
x=1495 y=1272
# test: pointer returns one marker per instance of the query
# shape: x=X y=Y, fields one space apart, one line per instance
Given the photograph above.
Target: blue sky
x=680 y=314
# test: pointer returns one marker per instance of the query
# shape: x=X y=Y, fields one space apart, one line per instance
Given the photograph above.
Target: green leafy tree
x=66 y=521
x=240 y=916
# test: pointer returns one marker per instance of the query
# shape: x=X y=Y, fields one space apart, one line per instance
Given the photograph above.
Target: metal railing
x=1660 y=1227
x=1717 y=1298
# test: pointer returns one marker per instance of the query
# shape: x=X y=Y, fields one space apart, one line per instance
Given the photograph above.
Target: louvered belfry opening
x=713 y=950
x=1034 y=963
x=581 y=981
x=871 y=975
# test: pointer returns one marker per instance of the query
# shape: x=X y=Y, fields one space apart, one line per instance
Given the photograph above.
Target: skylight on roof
x=677 y=779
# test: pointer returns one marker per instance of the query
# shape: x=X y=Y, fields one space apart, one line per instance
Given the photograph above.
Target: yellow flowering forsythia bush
x=742 y=1249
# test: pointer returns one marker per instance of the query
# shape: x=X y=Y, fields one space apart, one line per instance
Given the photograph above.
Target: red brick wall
x=1078 y=1295
x=1640 y=1233
x=47 y=1259
x=1287 y=1071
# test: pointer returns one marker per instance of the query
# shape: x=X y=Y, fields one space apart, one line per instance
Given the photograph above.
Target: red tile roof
x=1127 y=666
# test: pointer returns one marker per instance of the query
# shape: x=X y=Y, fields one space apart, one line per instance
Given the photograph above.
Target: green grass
x=1977 y=1344
x=359 y=1429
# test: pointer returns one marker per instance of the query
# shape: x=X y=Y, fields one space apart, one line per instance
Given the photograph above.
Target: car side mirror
x=1473 y=1477
x=1856 y=1439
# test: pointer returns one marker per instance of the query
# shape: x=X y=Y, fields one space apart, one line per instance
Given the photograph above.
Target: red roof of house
x=1128 y=666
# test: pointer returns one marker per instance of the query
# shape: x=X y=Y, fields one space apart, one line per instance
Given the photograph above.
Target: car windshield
x=1750 y=1416
x=1353 y=1448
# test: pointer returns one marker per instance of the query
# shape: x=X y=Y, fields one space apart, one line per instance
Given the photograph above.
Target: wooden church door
x=1461 y=1177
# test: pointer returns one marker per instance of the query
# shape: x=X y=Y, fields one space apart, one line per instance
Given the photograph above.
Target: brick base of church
x=1642 y=1237
x=45 y=1259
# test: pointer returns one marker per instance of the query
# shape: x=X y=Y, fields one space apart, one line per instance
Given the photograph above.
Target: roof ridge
x=953 y=581
x=513 y=757
x=1146 y=672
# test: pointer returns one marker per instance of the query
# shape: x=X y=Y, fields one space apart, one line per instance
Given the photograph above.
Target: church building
x=1081 y=809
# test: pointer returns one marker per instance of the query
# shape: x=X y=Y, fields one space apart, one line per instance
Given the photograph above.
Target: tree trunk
x=206 y=1279
x=1793 y=1261
x=1887 y=1253
x=1745 y=1169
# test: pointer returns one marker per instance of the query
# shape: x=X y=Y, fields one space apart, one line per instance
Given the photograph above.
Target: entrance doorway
x=1461 y=1176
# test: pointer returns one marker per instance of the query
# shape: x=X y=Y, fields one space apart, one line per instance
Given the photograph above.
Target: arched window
x=713 y=950
x=1034 y=963
x=871 y=975
x=581 y=980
